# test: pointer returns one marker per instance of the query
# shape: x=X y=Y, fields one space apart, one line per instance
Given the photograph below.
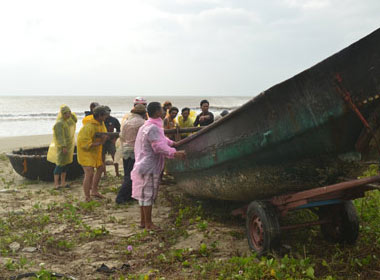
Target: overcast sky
x=163 y=47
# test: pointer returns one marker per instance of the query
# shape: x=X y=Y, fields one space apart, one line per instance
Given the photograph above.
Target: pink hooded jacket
x=151 y=149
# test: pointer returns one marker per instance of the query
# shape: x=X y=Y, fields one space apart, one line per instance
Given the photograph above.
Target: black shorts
x=109 y=147
x=60 y=169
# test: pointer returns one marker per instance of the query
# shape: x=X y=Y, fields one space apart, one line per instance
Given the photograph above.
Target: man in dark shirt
x=205 y=117
x=109 y=147
x=92 y=106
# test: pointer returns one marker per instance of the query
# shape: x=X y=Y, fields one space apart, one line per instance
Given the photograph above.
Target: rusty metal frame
x=345 y=191
x=347 y=98
x=323 y=195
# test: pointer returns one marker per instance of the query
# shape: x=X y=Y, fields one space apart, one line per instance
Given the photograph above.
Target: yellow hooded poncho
x=87 y=155
x=63 y=137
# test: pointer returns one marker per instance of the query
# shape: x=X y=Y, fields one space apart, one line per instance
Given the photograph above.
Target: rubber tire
x=270 y=227
x=344 y=226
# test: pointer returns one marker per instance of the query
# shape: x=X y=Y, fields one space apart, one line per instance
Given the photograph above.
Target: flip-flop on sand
x=104 y=268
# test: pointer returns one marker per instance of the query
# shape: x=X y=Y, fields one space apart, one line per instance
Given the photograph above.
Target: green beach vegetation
x=45 y=231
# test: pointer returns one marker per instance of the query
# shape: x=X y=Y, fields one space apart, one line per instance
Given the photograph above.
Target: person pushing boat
x=90 y=152
x=109 y=146
x=205 y=117
x=185 y=121
x=151 y=149
x=127 y=138
x=170 y=121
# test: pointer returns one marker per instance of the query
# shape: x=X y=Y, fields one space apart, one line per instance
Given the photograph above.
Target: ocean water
x=36 y=115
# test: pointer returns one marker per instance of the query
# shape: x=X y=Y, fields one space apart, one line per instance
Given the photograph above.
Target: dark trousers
x=125 y=191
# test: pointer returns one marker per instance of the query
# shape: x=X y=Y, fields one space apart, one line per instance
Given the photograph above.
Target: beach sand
x=8 y=144
x=75 y=238
x=53 y=229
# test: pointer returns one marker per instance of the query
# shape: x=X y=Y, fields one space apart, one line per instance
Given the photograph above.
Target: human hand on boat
x=180 y=154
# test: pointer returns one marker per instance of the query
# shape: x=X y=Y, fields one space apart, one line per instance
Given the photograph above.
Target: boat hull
x=300 y=125
x=32 y=164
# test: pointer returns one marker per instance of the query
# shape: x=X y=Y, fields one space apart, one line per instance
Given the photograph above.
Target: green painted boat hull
x=294 y=136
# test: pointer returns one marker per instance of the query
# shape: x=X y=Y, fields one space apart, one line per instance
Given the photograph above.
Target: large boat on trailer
x=307 y=132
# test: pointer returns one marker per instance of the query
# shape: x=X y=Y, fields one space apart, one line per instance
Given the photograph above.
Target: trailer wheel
x=262 y=227
x=343 y=226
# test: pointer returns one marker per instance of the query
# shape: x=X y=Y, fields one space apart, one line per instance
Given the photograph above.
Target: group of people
x=188 y=118
x=143 y=143
x=144 y=147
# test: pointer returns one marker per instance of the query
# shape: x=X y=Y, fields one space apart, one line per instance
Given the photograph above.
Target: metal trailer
x=338 y=219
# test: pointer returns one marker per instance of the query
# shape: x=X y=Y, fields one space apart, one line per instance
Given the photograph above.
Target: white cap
x=139 y=100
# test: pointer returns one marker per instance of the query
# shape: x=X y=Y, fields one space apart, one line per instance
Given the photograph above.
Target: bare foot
x=152 y=227
x=98 y=195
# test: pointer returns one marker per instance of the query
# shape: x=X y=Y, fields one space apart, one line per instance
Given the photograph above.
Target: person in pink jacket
x=151 y=149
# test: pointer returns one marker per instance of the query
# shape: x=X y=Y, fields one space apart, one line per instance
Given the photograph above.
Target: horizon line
x=116 y=95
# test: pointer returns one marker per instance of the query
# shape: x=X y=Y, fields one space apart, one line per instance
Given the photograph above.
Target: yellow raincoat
x=90 y=118
x=193 y=115
x=87 y=118
x=87 y=155
x=63 y=137
x=184 y=124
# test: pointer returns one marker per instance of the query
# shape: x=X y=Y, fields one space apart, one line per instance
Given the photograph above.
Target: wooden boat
x=32 y=164
x=303 y=133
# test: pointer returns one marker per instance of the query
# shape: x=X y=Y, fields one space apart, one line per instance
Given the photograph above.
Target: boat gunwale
x=221 y=121
x=15 y=153
x=264 y=93
x=25 y=156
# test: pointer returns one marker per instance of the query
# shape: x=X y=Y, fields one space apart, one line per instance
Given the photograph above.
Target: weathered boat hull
x=32 y=164
x=288 y=138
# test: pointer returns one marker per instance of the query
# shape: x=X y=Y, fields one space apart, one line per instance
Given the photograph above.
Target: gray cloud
x=167 y=47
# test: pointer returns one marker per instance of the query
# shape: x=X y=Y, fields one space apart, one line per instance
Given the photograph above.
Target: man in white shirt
x=128 y=134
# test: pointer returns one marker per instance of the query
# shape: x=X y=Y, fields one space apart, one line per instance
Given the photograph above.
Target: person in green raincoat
x=61 y=149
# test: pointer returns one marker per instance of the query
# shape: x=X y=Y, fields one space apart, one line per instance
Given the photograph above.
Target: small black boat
x=32 y=164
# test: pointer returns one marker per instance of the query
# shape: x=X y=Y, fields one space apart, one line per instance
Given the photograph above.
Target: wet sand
x=8 y=144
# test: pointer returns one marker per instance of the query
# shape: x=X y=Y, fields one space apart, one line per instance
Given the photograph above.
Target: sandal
x=105 y=269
